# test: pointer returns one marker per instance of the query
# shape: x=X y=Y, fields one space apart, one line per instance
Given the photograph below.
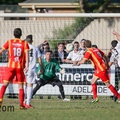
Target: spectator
x=75 y=55
x=60 y=54
x=82 y=48
x=43 y=48
x=5 y=56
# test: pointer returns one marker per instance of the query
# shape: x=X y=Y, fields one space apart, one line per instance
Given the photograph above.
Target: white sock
x=29 y=95
x=25 y=93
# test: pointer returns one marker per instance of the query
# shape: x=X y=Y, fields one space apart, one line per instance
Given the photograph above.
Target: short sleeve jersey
x=96 y=57
x=50 y=69
x=16 y=52
x=116 y=54
x=34 y=54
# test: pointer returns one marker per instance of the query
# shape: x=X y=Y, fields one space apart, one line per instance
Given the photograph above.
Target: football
x=69 y=47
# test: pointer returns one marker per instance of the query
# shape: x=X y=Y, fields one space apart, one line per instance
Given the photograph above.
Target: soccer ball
x=69 y=47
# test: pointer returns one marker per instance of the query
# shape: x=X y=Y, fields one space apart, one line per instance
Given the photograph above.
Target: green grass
x=56 y=109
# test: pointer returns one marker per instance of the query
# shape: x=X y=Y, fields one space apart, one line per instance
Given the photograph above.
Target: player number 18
x=17 y=51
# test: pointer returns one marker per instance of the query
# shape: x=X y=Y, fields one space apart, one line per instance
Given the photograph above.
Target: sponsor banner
x=76 y=81
x=74 y=90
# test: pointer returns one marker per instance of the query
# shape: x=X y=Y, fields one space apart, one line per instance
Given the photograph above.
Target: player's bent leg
x=61 y=89
x=115 y=97
x=37 y=87
x=113 y=90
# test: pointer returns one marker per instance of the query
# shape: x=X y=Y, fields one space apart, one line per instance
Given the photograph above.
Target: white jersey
x=75 y=56
x=116 y=54
x=34 y=55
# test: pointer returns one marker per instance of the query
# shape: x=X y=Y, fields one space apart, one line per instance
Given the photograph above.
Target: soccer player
x=99 y=60
x=115 y=59
x=34 y=55
x=18 y=59
x=50 y=65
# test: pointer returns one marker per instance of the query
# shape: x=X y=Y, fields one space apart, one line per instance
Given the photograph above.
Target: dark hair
x=45 y=44
x=76 y=42
x=29 y=38
x=88 y=43
x=114 y=43
x=95 y=46
x=17 y=32
x=60 y=43
x=49 y=51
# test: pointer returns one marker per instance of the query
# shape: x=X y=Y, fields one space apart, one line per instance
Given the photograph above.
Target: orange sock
x=21 y=96
x=3 y=89
x=114 y=91
x=94 y=90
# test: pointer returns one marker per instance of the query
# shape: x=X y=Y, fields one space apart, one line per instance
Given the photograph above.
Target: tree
x=71 y=32
x=9 y=2
x=98 y=6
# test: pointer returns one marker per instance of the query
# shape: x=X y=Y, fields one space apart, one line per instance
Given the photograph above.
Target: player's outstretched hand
x=114 y=32
x=62 y=71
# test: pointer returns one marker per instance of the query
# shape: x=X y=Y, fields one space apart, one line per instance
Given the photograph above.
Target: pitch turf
x=56 y=109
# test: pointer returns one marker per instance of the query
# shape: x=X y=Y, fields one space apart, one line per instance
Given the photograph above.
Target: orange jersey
x=96 y=57
x=16 y=52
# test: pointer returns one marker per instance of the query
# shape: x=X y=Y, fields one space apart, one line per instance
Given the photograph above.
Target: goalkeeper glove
x=62 y=71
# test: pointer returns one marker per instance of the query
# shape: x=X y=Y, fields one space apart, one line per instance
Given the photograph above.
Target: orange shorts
x=103 y=75
x=14 y=72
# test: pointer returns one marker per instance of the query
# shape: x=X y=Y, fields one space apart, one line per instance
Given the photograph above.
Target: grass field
x=56 y=109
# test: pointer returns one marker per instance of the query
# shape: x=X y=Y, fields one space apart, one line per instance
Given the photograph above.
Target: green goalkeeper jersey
x=49 y=69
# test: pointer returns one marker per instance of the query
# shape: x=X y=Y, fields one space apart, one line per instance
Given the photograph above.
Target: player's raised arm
x=116 y=34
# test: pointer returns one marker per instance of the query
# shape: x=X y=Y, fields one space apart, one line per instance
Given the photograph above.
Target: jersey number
x=31 y=52
x=17 y=52
x=115 y=52
x=99 y=54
